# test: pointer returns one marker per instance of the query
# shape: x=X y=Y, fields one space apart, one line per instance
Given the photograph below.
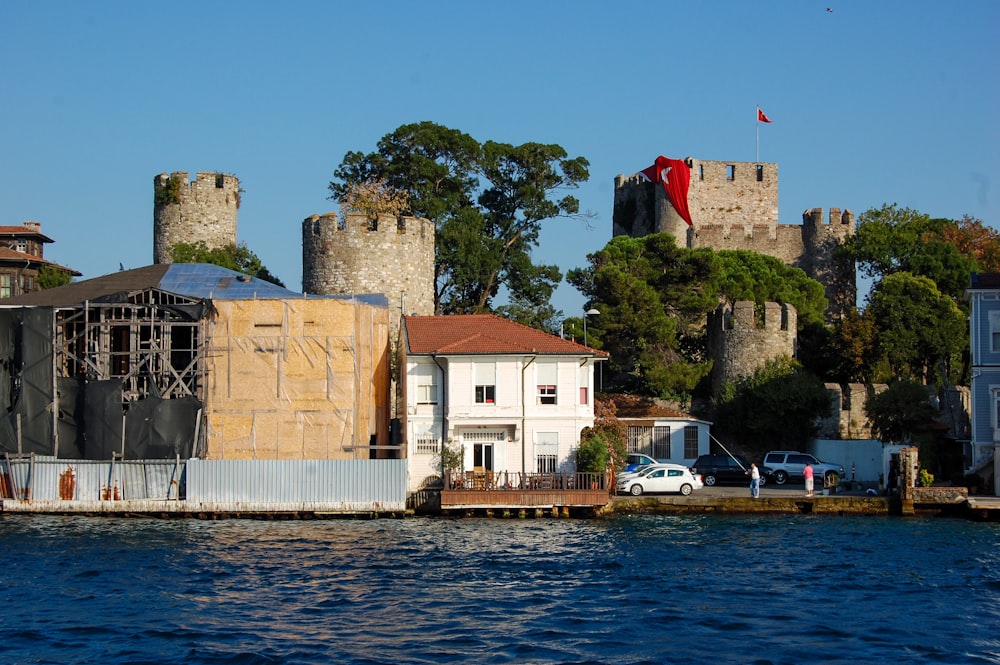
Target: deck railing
x=516 y=480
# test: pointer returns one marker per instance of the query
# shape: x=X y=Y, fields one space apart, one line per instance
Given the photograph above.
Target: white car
x=639 y=470
x=660 y=478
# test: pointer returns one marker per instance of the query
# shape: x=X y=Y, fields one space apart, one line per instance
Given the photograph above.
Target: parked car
x=785 y=464
x=660 y=478
x=727 y=469
x=635 y=460
x=643 y=468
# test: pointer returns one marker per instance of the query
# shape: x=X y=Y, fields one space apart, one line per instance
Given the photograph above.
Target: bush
x=926 y=478
x=593 y=455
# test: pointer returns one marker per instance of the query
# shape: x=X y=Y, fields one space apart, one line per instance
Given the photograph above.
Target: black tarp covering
x=70 y=404
x=90 y=415
x=102 y=419
x=161 y=428
x=154 y=428
x=26 y=387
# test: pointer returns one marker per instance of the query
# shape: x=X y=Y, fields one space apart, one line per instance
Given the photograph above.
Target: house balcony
x=503 y=490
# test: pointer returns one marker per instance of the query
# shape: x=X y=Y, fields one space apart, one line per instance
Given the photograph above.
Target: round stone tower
x=742 y=339
x=390 y=255
x=191 y=211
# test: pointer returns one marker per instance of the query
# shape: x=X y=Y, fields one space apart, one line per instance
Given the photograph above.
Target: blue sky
x=874 y=102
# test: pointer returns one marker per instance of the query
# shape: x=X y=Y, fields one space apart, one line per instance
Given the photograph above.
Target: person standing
x=754 y=481
x=807 y=473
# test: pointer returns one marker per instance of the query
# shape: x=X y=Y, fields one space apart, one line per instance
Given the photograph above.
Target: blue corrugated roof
x=204 y=280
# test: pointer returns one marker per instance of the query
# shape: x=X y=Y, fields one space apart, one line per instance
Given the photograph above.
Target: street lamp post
x=589 y=312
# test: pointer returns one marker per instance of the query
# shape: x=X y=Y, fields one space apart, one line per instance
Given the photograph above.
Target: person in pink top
x=807 y=473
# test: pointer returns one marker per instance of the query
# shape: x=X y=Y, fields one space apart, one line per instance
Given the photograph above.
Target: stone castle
x=734 y=205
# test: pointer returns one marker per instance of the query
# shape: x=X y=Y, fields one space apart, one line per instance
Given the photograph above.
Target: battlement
x=204 y=183
x=356 y=254
x=354 y=222
x=192 y=211
x=839 y=224
x=744 y=315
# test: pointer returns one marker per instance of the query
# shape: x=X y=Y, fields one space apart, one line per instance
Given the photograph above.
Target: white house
x=984 y=343
x=663 y=433
x=512 y=398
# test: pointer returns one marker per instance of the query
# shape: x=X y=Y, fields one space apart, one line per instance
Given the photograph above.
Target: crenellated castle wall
x=742 y=338
x=389 y=255
x=200 y=210
x=734 y=206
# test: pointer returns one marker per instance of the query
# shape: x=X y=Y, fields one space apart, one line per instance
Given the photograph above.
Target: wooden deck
x=526 y=491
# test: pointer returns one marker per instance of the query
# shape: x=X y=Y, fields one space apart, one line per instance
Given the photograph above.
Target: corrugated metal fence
x=345 y=486
x=44 y=478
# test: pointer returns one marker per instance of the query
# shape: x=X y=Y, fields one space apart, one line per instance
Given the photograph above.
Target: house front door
x=483 y=445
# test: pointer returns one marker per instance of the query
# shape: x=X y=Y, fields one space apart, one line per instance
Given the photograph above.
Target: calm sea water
x=635 y=590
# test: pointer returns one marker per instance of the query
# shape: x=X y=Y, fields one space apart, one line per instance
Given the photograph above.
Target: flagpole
x=757 y=123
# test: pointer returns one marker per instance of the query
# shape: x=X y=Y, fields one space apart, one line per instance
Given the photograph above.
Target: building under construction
x=192 y=361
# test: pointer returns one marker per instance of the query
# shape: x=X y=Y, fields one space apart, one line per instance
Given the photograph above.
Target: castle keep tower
x=191 y=211
x=734 y=205
x=389 y=255
x=738 y=195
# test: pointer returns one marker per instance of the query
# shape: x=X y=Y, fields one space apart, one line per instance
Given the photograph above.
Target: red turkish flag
x=761 y=117
x=675 y=176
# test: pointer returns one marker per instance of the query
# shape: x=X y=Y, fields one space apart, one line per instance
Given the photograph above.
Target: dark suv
x=726 y=469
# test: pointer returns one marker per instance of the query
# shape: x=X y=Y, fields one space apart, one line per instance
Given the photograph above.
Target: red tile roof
x=484 y=334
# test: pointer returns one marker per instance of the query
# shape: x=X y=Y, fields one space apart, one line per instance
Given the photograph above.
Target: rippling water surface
x=635 y=590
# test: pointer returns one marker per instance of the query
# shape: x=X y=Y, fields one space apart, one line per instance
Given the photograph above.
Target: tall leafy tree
x=488 y=202
x=654 y=297
x=891 y=239
x=921 y=330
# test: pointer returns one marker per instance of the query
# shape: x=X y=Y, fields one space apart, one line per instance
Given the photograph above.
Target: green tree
x=891 y=239
x=900 y=413
x=747 y=275
x=778 y=406
x=49 y=277
x=653 y=304
x=921 y=331
x=854 y=348
x=487 y=201
x=234 y=257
